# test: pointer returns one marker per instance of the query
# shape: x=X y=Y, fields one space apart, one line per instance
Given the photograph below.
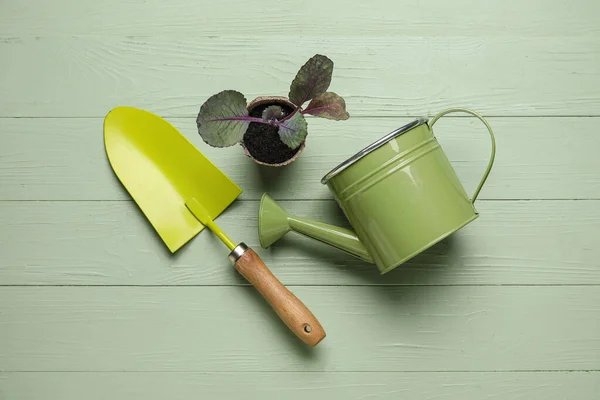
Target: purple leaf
x=293 y=131
x=223 y=119
x=312 y=79
x=328 y=105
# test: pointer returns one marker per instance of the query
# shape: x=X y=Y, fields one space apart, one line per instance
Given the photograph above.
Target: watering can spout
x=274 y=222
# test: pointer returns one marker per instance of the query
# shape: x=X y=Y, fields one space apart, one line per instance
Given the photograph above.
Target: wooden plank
x=293 y=386
x=537 y=158
x=312 y=17
x=111 y=243
x=391 y=329
x=378 y=76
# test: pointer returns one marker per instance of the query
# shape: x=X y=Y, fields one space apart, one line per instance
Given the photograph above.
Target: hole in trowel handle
x=307 y=329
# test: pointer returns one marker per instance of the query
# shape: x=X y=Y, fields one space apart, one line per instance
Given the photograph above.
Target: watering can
x=400 y=194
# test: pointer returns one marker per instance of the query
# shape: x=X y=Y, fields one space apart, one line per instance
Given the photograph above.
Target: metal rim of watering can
x=372 y=147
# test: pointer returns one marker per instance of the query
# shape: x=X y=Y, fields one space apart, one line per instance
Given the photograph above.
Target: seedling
x=272 y=130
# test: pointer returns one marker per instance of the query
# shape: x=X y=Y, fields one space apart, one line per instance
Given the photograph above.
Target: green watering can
x=400 y=194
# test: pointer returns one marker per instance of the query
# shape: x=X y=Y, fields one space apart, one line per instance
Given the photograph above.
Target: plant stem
x=291 y=114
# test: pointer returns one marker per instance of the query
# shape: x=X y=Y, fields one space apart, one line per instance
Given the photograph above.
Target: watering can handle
x=487 y=125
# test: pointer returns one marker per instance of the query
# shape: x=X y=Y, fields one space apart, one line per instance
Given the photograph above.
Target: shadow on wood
x=425 y=269
x=272 y=179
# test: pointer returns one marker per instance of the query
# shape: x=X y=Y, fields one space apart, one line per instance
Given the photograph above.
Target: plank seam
x=277 y=199
x=337 y=371
x=354 y=116
x=312 y=285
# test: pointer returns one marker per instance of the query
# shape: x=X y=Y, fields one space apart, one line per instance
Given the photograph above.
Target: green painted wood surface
x=293 y=386
x=107 y=243
x=92 y=305
x=370 y=328
x=537 y=158
x=414 y=75
x=379 y=17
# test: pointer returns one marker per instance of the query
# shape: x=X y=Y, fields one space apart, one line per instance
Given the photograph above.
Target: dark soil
x=262 y=141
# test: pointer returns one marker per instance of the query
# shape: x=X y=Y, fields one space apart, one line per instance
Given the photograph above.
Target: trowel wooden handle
x=290 y=309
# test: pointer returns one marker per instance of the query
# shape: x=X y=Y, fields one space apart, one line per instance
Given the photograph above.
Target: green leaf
x=293 y=130
x=223 y=119
x=272 y=112
x=313 y=79
x=328 y=105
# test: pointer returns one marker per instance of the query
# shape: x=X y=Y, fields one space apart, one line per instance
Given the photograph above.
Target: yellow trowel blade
x=162 y=170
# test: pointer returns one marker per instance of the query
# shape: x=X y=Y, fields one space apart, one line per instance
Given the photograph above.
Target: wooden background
x=92 y=305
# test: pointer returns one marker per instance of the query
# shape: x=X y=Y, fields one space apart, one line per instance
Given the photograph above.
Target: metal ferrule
x=236 y=253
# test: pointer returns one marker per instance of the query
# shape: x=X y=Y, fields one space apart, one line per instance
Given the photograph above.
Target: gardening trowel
x=180 y=191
